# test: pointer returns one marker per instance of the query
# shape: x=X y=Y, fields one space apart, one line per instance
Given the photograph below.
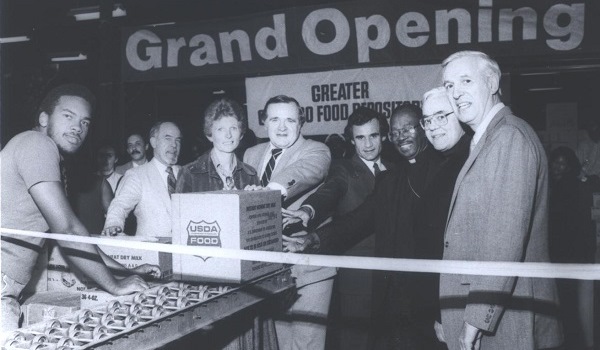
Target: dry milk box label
x=248 y=220
x=131 y=258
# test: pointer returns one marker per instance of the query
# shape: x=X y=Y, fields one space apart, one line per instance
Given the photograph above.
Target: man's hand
x=253 y=188
x=112 y=231
x=294 y=216
x=439 y=331
x=147 y=270
x=128 y=285
x=299 y=242
x=470 y=337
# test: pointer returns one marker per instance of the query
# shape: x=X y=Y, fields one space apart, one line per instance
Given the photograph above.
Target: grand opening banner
x=360 y=34
x=328 y=98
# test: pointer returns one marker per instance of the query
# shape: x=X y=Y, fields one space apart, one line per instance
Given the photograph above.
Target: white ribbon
x=488 y=268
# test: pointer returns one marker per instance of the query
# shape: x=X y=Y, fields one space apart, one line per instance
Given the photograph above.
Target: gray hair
x=489 y=64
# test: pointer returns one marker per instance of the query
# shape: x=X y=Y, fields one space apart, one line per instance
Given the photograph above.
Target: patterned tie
x=270 y=166
x=171 y=180
x=376 y=168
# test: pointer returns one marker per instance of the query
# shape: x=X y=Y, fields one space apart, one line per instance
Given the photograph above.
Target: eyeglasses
x=440 y=119
x=409 y=130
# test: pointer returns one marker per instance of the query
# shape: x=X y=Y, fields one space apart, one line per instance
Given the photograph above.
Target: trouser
x=11 y=308
x=304 y=325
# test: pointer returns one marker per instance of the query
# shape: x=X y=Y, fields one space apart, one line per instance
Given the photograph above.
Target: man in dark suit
x=295 y=166
x=498 y=212
x=347 y=185
x=349 y=180
x=388 y=214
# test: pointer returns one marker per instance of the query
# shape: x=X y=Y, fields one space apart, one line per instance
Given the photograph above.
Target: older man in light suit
x=498 y=212
x=295 y=166
x=147 y=189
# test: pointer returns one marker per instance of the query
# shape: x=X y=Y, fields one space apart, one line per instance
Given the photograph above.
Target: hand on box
x=147 y=270
x=253 y=188
x=112 y=231
x=300 y=241
x=294 y=216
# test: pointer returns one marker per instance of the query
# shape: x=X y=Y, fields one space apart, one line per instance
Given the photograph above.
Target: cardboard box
x=39 y=277
x=135 y=257
x=46 y=306
x=61 y=277
x=228 y=219
x=94 y=297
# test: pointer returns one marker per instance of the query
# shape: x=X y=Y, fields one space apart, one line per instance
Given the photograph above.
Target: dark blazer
x=347 y=185
x=388 y=212
x=499 y=212
x=202 y=176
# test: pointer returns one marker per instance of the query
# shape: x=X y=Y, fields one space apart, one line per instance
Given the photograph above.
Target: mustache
x=135 y=151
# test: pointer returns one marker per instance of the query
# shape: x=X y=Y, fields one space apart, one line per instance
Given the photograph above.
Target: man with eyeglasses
x=446 y=134
x=388 y=213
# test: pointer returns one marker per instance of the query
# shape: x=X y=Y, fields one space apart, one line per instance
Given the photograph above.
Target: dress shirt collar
x=162 y=169
x=369 y=164
x=485 y=122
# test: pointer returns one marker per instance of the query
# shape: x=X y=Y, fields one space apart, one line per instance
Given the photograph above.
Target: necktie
x=171 y=180
x=376 y=168
x=270 y=166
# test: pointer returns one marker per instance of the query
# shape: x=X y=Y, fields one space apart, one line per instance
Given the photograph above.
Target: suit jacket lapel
x=157 y=179
x=361 y=168
x=473 y=154
x=285 y=158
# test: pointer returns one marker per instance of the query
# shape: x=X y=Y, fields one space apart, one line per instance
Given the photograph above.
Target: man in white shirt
x=147 y=189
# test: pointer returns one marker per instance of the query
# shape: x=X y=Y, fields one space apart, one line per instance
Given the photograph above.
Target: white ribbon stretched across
x=489 y=268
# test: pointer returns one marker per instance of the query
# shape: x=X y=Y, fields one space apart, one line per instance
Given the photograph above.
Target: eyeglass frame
x=411 y=130
x=434 y=119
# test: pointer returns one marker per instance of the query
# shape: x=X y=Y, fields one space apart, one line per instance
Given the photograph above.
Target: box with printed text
x=131 y=258
x=62 y=276
x=249 y=220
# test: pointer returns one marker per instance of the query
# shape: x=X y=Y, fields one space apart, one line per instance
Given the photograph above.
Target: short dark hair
x=53 y=96
x=361 y=116
x=281 y=99
x=407 y=108
x=224 y=107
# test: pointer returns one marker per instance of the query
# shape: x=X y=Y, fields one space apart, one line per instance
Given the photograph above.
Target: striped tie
x=270 y=166
x=171 y=180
